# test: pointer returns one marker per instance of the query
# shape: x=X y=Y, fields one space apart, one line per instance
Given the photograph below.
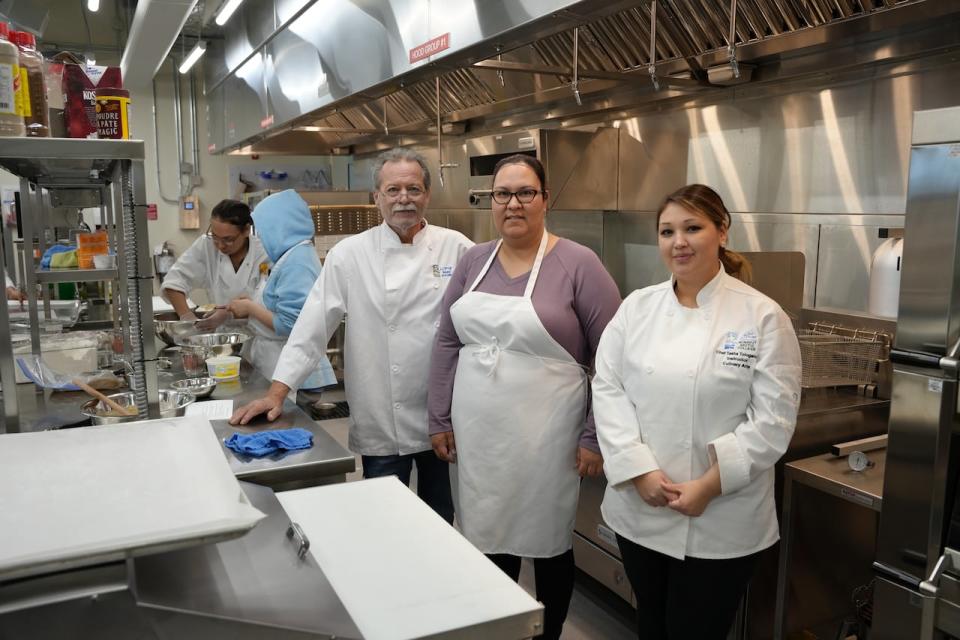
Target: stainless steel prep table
x=326 y=462
x=831 y=475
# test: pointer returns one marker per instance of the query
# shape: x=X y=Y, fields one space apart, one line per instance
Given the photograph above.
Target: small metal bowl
x=218 y=344
x=172 y=405
x=199 y=387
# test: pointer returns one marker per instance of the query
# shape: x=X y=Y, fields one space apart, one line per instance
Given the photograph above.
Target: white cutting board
x=400 y=570
x=78 y=496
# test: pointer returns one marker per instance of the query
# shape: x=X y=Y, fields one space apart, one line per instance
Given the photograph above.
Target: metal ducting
x=690 y=39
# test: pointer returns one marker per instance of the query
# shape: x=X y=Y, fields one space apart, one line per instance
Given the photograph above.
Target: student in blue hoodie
x=285 y=227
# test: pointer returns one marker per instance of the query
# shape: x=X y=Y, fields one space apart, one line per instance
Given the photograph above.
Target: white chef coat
x=8 y=281
x=391 y=294
x=202 y=266
x=678 y=389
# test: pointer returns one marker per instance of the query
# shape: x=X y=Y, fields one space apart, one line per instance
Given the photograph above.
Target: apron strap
x=534 y=272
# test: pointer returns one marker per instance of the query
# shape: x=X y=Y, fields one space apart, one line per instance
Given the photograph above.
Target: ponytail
x=736 y=265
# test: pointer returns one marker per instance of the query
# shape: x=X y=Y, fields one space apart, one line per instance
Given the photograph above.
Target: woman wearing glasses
x=508 y=394
x=225 y=262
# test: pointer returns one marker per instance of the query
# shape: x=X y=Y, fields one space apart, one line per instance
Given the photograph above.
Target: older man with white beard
x=389 y=281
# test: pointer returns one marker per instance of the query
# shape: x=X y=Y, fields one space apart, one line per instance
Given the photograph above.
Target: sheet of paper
x=211 y=409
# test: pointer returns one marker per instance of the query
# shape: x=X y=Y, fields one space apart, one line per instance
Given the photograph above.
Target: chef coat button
x=669 y=313
x=396 y=405
x=436 y=285
x=392 y=327
x=649 y=369
x=690 y=373
x=395 y=368
x=436 y=325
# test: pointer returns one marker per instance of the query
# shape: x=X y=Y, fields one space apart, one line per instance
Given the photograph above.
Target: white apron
x=518 y=409
x=266 y=345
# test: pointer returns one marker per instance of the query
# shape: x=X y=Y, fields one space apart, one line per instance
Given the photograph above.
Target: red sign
x=427 y=49
x=151 y=212
x=266 y=122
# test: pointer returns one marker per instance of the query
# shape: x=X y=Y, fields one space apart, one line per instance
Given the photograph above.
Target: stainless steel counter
x=327 y=461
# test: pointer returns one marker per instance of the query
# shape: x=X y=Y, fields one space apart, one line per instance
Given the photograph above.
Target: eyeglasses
x=223 y=242
x=524 y=196
x=394 y=193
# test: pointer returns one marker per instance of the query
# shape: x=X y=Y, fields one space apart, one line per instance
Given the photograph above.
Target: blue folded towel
x=263 y=443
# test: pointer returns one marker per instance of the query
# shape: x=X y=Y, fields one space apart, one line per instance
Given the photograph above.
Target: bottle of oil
x=11 y=120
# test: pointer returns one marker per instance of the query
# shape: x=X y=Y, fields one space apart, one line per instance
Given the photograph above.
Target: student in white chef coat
x=225 y=261
x=389 y=282
x=508 y=393
x=13 y=293
x=695 y=397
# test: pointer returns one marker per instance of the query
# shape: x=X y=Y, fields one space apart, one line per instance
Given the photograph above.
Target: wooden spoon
x=122 y=410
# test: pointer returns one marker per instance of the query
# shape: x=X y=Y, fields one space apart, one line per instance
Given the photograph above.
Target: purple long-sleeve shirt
x=574 y=298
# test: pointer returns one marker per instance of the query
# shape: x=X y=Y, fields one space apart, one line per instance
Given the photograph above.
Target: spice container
x=33 y=86
x=113 y=114
x=11 y=121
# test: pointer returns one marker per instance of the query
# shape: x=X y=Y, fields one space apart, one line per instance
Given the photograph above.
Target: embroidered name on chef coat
x=738 y=351
x=442 y=271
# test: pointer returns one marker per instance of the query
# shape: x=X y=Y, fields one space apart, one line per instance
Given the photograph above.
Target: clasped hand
x=689 y=498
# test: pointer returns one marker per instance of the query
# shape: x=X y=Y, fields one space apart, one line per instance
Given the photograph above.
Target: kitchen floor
x=594 y=611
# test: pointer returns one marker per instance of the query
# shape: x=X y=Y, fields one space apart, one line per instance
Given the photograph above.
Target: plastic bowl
x=218 y=344
x=199 y=387
x=224 y=367
x=172 y=404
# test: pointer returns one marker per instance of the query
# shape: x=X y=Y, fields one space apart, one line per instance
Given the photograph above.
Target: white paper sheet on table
x=211 y=409
x=399 y=569
x=102 y=493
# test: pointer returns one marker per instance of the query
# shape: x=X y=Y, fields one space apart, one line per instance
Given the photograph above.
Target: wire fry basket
x=833 y=360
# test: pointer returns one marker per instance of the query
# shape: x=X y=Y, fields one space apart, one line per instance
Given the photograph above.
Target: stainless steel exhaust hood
x=348 y=72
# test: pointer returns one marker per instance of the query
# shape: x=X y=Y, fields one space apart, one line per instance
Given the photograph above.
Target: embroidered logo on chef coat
x=738 y=350
x=442 y=271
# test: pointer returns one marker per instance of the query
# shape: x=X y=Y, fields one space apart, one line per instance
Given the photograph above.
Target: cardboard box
x=79 y=82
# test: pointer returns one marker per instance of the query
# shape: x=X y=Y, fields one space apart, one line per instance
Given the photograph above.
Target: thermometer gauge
x=859 y=461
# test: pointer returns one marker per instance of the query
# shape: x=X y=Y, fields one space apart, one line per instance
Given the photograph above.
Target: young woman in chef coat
x=695 y=399
x=225 y=261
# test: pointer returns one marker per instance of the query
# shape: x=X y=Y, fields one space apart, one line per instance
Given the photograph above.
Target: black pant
x=690 y=599
x=554 y=580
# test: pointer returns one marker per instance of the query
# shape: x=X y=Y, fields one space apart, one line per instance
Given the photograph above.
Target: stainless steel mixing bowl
x=172 y=404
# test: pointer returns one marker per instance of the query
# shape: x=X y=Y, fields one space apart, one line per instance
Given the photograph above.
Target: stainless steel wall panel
x=929 y=318
x=844 y=264
x=581 y=168
x=798 y=149
x=579 y=226
x=214 y=65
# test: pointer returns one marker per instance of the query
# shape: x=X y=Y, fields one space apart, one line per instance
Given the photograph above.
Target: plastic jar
x=33 y=85
x=11 y=122
x=113 y=114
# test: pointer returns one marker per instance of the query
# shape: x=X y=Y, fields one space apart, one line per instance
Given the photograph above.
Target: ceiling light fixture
x=227 y=11
x=198 y=50
x=93 y=5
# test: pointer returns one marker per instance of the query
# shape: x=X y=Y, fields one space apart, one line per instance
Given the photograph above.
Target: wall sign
x=429 y=48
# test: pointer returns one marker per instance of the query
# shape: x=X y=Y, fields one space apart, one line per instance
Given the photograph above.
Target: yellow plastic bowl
x=224 y=367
